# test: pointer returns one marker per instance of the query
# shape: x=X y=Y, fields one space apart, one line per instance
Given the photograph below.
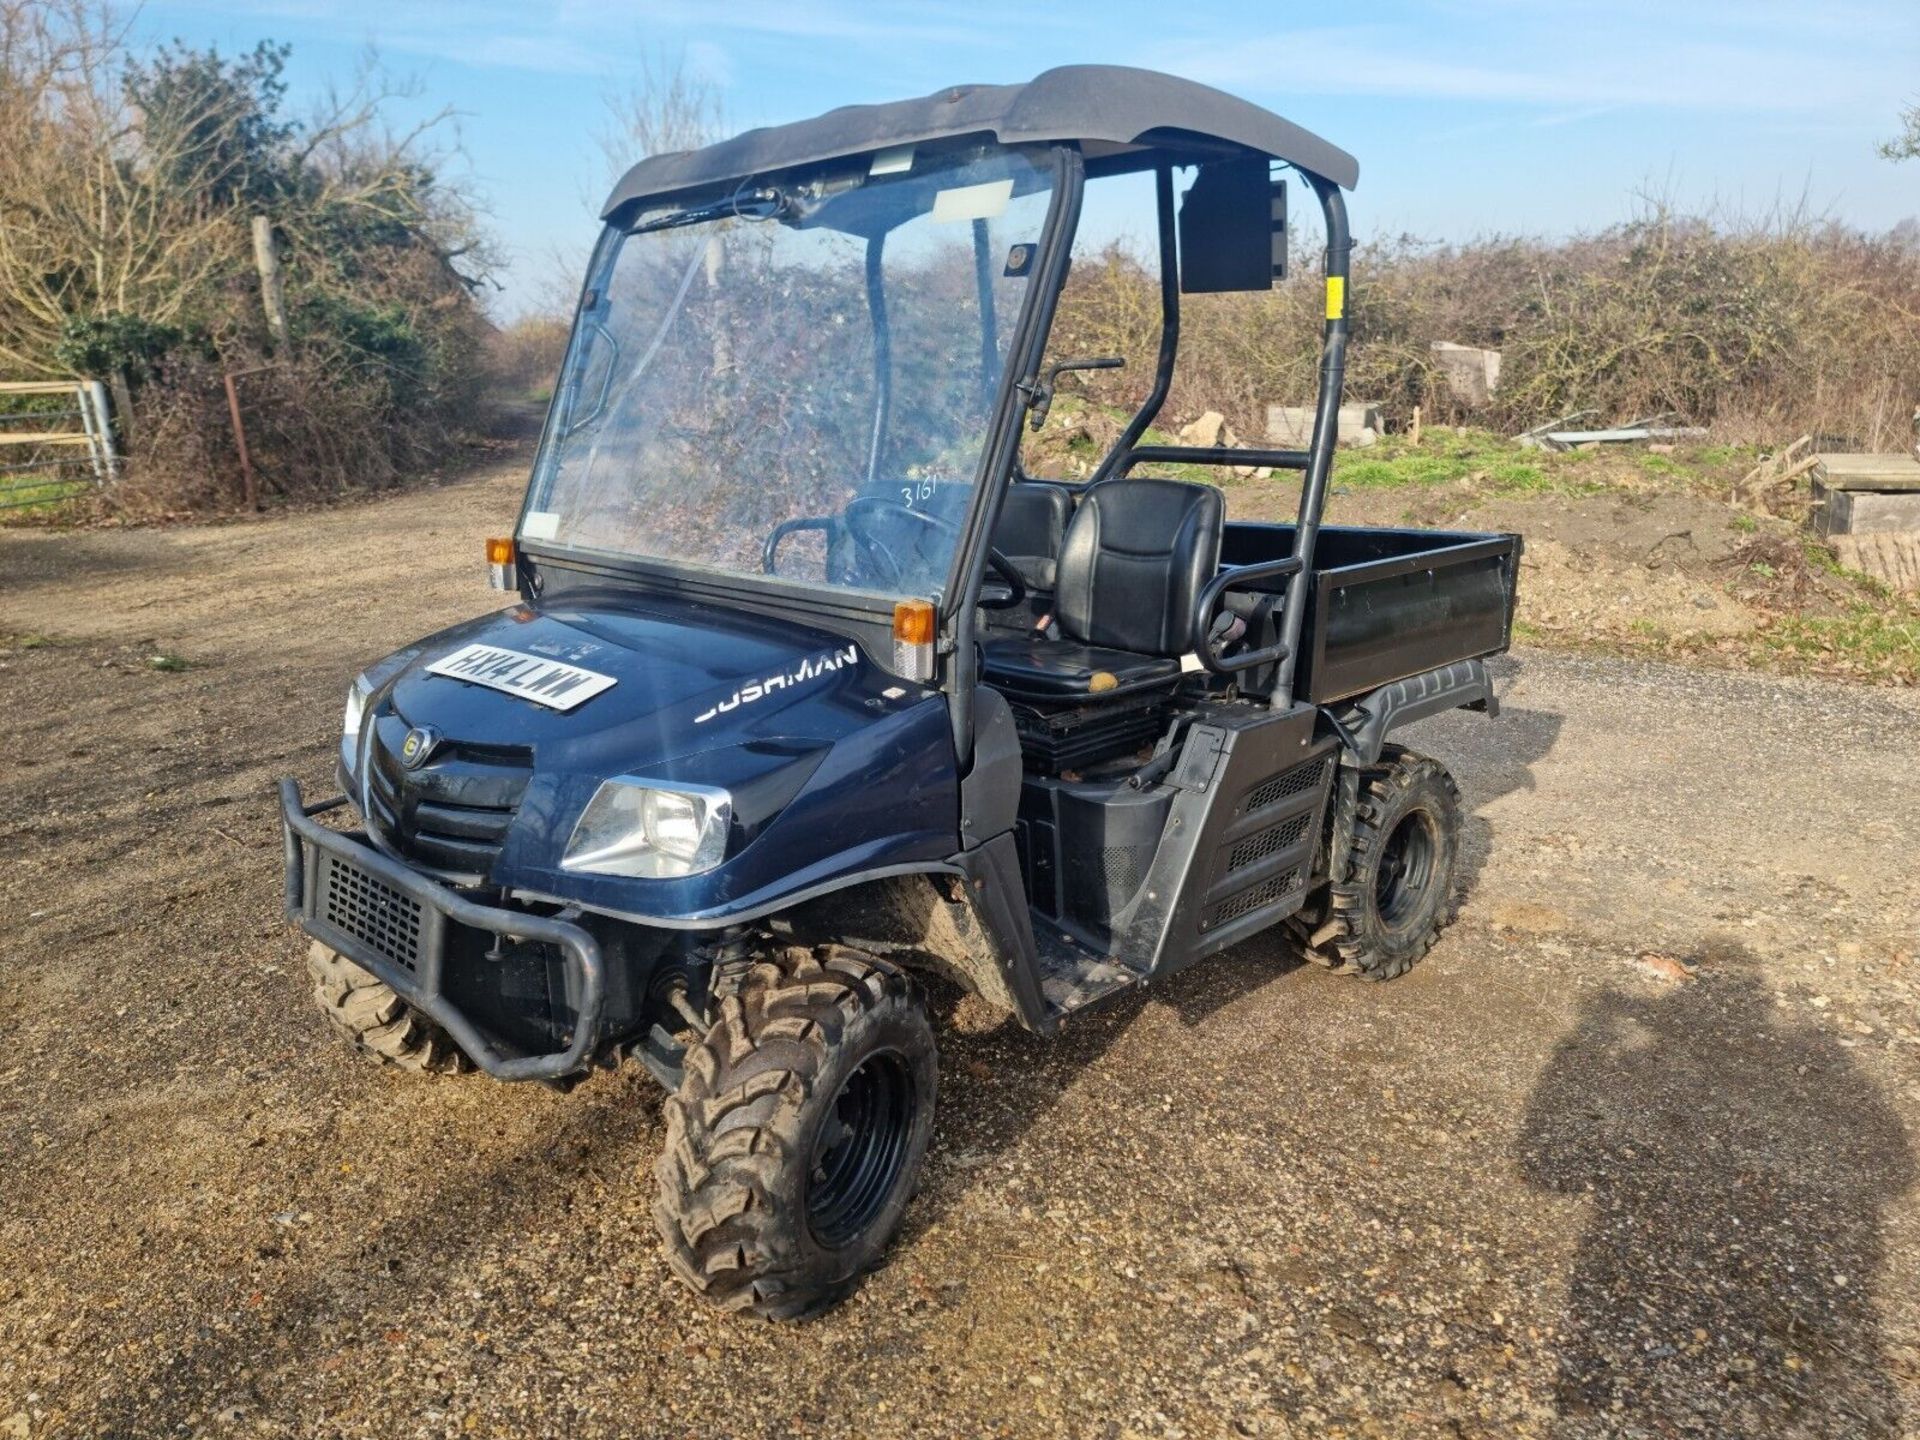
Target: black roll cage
x=999 y=469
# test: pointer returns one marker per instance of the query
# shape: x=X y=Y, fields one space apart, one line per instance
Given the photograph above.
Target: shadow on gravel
x=1736 y=1163
x=1520 y=740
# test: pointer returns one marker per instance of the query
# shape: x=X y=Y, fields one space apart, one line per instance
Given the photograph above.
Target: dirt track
x=1540 y=1186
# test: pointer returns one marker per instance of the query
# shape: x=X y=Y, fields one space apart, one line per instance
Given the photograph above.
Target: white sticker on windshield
x=540 y=525
x=896 y=161
x=973 y=202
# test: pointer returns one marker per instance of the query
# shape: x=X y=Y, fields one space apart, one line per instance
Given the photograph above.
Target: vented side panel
x=1270 y=841
x=1267 y=892
x=1264 y=858
x=1297 y=781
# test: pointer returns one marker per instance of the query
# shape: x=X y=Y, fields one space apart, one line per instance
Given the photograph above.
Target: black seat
x=1030 y=530
x=1135 y=557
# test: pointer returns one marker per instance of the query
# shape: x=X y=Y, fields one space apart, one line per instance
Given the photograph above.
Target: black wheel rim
x=1407 y=863
x=860 y=1149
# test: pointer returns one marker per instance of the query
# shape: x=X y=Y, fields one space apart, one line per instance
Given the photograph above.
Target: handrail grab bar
x=1210 y=594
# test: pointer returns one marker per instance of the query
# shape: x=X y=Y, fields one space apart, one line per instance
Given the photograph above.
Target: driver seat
x=1132 y=565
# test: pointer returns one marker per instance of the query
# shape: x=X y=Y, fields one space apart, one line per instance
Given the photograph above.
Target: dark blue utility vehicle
x=810 y=687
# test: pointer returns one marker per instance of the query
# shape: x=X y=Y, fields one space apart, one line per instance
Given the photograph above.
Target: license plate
x=545 y=682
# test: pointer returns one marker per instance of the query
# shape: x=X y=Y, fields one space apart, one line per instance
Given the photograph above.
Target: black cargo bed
x=1384 y=604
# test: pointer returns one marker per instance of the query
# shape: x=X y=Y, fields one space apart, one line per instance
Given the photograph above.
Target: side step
x=1073 y=977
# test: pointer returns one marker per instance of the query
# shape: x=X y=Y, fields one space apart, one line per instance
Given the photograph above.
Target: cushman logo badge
x=810 y=669
x=418 y=745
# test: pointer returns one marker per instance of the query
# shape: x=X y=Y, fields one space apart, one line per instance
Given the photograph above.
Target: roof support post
x=1169 y=327
x=1326 y=433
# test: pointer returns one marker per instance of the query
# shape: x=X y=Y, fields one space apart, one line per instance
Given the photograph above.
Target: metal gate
x=54 y=453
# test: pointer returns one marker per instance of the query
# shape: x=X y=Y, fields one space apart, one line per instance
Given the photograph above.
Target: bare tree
x=668 y=106
x=1906 y=145
x=82 y=229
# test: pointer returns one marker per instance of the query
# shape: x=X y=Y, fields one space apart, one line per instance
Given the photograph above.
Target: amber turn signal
x=913 y=622
x=913 y=631
x=502 y=573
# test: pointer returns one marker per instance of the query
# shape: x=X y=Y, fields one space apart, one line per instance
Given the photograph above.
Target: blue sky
x=1469 y=116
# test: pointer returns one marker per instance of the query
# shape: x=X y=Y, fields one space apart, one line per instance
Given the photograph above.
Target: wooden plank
x=1868 y=472
x=1890 y=556
x=43 y=437
x=36 y=387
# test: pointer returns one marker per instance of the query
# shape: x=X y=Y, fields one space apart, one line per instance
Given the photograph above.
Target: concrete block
x=1874 y=512
x=1472 y=374
x=1291 y=426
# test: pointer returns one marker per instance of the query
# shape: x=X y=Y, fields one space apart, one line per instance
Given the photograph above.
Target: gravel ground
x=1629 y=1154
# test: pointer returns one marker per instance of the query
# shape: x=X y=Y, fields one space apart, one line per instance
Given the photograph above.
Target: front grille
x=370 y=910
x=451 y=813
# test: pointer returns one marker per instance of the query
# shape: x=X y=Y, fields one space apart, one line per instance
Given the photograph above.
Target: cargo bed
x=1386 y=604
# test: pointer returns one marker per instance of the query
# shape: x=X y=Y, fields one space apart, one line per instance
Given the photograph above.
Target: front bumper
x=394 y=922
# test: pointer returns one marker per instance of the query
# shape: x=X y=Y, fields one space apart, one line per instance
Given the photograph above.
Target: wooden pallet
x=1865 y=493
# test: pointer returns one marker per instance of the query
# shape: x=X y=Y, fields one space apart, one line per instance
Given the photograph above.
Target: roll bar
x=1315 y=462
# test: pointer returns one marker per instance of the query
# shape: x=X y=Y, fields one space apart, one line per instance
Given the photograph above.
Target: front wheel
x=794 y=1142
x=367 y=1014
x=1403 y=829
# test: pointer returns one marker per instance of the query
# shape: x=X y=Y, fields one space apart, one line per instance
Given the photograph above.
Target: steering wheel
x=876 y=549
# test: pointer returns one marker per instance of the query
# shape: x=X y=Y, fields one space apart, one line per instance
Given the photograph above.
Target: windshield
x=796 y=378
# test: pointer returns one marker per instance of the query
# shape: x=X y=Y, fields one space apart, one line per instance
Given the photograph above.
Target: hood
x=684 y=678
x=834 y=764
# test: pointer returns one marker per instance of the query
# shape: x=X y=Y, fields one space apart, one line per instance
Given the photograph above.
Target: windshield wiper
x=764 y=204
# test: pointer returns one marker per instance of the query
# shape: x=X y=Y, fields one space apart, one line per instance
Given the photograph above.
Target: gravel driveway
x=1629 y=1154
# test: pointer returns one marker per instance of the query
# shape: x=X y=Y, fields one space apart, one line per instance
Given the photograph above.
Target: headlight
x=357 y=694
x=654 y=832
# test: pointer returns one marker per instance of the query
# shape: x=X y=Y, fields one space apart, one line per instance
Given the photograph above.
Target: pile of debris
x=1659 y=433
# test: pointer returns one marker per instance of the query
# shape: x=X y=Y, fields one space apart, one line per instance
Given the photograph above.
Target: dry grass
x=1763 y=331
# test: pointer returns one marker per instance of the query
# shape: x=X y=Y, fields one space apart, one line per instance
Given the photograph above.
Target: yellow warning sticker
x=1336 y=296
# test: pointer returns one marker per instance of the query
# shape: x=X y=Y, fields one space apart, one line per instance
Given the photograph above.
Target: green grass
x=1870 y=641
x=1875 y=638
x=1488 y=462
x=26 y=642
x=171 y=664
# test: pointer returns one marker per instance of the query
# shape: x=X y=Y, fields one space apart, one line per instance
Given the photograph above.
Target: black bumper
x=393 y=921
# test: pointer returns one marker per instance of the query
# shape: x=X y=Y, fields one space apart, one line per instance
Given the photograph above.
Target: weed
x=1868 y=640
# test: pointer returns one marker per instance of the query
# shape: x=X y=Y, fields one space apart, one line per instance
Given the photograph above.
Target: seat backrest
x=1032 y=525
x=1136 y=556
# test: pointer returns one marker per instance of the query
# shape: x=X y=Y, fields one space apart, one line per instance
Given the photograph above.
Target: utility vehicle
x=810 y=688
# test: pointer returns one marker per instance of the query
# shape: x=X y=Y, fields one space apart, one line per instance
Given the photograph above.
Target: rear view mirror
x=1233 y=228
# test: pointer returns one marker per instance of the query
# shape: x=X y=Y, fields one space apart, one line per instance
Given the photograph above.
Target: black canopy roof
x=1106 y=107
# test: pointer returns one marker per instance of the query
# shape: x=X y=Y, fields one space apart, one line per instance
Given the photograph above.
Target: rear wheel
x=1403 y=829
x=794 y=1142
x=369 y=1016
